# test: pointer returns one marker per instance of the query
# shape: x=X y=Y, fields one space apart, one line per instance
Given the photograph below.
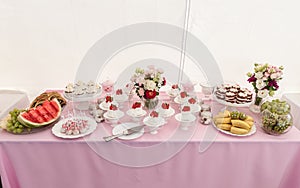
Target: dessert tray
x=81 y=91
x=232 y=95
x=251 y=132
x=56 y=129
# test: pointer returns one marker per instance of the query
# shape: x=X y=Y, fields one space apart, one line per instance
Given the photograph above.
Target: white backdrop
x=43 y=42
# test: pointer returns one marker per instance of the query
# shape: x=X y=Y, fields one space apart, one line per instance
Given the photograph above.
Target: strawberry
x=175 y=86
x=192 y=100
x=186 y=109
x=119 y=92
x=154 y=114
x=108 y=99
x=183 y=94
x=165 y=105
x=136 y=105
x=113 y=107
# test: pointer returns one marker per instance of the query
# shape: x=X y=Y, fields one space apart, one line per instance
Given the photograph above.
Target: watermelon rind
x=31 y=124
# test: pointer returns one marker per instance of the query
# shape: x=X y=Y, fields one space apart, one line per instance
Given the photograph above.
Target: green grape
x=19 y=130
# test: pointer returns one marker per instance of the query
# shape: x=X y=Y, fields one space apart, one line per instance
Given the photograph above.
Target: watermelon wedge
x=42 y=115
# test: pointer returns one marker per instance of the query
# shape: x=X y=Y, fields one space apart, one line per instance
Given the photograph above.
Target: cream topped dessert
x=154 y=118
x=183 y=97
x=136 y=109
x=107 y=102
x=165 y=108
x=174 y=90
x=113 y=111
x=120 y=96
x=185 y=113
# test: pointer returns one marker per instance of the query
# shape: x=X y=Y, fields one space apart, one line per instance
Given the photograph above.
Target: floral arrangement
x=265 y=79
x=148 y=82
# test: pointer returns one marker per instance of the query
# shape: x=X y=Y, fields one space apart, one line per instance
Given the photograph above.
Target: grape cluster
x=276 y=118
x=13 y=125
x=276 y=106
x=238 y=115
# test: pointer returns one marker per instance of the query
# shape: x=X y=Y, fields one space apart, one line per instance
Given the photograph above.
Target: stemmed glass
x=207 y=90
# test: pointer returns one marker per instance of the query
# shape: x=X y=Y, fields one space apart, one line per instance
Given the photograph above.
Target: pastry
x=224 y=126
x=239 y=131
x=240 y=124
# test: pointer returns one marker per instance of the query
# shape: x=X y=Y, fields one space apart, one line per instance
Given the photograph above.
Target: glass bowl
x=275 y=124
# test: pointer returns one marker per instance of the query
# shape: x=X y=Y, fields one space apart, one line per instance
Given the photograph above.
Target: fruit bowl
x=276 y=118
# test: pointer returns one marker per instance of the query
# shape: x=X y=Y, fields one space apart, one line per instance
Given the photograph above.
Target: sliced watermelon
x=42 y=115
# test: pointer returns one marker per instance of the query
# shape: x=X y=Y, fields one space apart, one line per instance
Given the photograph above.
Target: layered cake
x=233 y=93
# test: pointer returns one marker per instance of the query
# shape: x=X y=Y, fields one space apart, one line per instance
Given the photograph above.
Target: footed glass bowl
x=275 y=124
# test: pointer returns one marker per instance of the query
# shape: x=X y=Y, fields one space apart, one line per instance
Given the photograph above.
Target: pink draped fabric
x=207 y=158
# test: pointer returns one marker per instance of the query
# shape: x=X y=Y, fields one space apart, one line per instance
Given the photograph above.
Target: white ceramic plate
x=122 y=127
x=251 y=132
x=57 y=127
x=130 y=113
x=171 y=112
x=119 y=115
x=179 y=118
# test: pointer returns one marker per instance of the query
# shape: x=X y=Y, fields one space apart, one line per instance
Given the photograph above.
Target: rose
x=150 y=94
x=262 y=93
x=149 y=85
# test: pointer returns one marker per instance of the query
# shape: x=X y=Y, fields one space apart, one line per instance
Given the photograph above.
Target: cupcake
x=165 y=108
x=174 y=90
x=185 y=113
x=120 y=96
x=113 y=111
x=154 y=118
x=136 y=109
x=183 y=97
x=108 y=101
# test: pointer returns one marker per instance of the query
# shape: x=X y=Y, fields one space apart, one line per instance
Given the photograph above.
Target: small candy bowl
x=275 y=124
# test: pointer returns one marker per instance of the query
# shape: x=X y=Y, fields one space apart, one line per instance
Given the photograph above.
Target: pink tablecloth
x=200 y=157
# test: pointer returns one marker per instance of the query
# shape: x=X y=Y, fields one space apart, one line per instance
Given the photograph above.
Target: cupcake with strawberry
x=186 y=113
x=106 y=103
x=192 y=102
x=166 y=110
x=120 y=96
x=113 y=111
x=174 y=91
x=182 y=98
x=136 y=110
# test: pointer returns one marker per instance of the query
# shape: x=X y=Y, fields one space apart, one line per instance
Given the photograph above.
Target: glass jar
x=275 y=124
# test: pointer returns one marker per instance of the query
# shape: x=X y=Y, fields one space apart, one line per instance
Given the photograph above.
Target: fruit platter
x=81 y=91
x=42 y=113
x=233 y=95
x=234 y=123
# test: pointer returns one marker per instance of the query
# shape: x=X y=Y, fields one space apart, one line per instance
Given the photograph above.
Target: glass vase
x=150 y=104
x=255 y=106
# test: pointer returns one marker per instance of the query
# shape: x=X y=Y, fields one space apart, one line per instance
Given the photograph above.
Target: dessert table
x=198 y=157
